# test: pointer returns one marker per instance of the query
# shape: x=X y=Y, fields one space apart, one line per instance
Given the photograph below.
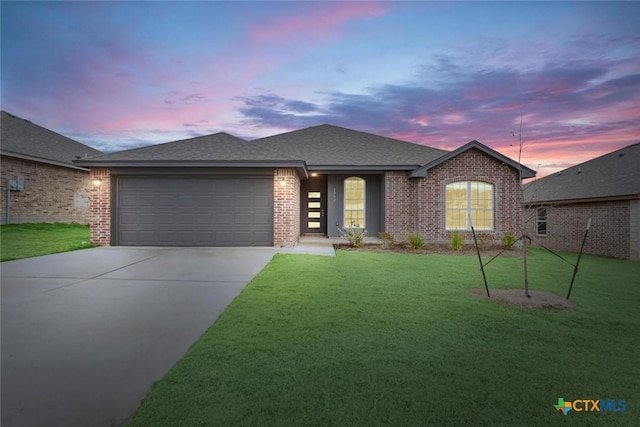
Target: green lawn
x=389 y=339
x=28 y=240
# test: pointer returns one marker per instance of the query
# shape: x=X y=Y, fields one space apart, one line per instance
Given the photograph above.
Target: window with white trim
x=469 y=199
x=541 y=221
x=354 y=202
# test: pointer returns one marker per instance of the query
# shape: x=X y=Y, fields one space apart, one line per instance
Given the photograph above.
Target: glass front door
x=314 y=205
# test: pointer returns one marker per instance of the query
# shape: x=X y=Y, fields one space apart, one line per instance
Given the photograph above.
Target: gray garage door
x=194 y=211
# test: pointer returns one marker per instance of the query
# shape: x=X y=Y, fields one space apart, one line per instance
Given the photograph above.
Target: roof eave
x=584 y=200
x=299 y=165
x=362 y=167
x=41 y=160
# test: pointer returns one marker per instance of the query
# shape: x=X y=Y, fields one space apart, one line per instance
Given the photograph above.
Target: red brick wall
x=51 y=193
x=101 y=207
x=286 y=207
x=400 y=204
x=426 y=203
x=609 y=234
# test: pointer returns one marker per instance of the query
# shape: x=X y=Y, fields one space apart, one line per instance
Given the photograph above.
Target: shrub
x=415 y=240
x=508 y=239
x=355 y=235
x=456 y=241
x=485 y=241
x=388 y=241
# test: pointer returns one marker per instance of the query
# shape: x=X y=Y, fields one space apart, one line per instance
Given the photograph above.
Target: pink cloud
x=318 y=21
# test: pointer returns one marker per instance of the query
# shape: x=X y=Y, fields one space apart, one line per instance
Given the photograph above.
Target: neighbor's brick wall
x=400 y=204
x=51 y=193
x=286 y=207
x=609 y=234
x=634 y=229
x=100 y=223
x=419 y=204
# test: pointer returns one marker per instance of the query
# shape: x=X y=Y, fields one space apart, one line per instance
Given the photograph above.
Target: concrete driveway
x=86 y=333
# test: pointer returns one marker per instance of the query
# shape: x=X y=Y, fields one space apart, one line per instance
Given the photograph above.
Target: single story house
x=38 y=180
x=605 y=190
x=219 y=190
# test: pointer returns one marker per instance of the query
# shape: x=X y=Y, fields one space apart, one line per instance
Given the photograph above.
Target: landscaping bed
x=433 y=248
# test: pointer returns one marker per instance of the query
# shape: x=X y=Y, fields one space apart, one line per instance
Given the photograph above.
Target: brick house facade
x=418 y=204
x=51 y=193
x=54 y=189
x=605 y=189
x=311 y=189
x=610 y=234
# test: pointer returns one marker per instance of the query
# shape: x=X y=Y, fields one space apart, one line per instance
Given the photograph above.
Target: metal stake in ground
x=484 y=277
x=575 y=268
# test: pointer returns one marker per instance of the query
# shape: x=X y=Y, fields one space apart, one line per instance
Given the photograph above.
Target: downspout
x=8 y=205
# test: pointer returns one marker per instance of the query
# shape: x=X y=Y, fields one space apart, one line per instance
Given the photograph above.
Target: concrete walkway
x=86 y=333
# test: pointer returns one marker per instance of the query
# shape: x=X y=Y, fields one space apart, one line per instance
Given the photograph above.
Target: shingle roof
x=219 y=149
x=616 y=174
x=422 y=171
x=23 y=139
x=337 y=147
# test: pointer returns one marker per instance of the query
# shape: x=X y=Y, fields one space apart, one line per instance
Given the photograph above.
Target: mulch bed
x=516 y=297
x=442 y=249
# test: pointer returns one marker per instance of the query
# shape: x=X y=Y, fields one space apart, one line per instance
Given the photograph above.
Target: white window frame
x=544 y=221
x=364 y=202
x=468 y=209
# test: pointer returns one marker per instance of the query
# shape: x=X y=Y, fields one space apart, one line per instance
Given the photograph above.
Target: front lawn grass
x=384 y=339
x=28 y=240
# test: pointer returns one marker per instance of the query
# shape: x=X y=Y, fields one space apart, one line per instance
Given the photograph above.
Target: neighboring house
x=219 y=190
x=605 y=190
x=37 y=168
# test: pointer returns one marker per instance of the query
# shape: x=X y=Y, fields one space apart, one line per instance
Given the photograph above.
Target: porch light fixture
x=314 y=173
x=283 y=182
x=97 y=182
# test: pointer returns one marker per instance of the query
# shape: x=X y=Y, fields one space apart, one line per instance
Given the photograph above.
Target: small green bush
x=456 y=241
x=355 y=235
x=508 y=239
x=388 y=241
x=415 y=240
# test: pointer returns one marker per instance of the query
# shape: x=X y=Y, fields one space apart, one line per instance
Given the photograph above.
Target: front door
x=314 y=205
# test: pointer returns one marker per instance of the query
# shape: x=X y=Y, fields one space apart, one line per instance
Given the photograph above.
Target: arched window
x=354 y=202
x=469 y=199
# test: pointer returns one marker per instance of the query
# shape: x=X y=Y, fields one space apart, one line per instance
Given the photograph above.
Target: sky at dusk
x=117 y=75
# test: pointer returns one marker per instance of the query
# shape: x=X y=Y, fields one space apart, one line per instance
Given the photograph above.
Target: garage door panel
x=199 y=211
x=263 y=219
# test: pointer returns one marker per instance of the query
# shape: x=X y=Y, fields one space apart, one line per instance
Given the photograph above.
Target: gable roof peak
x=421 y=172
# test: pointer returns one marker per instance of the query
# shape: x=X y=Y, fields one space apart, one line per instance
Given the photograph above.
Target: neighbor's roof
x=333 y=147
x=22 y=139
x=219 y=149
x=614 y=175
x=422 y=171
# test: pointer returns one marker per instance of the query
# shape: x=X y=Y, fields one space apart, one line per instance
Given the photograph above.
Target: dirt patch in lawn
x=516 y=297
x=442 y=249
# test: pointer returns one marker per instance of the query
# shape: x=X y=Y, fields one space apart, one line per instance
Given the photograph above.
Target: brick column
x=400 y=204
x=100 y=207
x=286 y=207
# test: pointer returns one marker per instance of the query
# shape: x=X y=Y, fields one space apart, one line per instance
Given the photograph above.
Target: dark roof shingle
x=615 y=174
x=328 y=145
x=218 y=147
x=21 y=138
